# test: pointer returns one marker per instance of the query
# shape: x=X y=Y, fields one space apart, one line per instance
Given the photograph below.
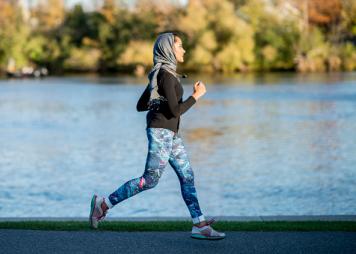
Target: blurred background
x=274 y=135
x=221 y=35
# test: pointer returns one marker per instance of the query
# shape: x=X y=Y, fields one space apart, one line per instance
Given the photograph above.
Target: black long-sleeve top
x=169 y=112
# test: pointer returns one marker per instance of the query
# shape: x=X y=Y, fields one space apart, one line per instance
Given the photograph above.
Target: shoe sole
x=92 y=206
x=203 y=237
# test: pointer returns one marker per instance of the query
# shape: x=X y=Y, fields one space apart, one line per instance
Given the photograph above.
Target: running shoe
x=96 y=213
x=207 y=232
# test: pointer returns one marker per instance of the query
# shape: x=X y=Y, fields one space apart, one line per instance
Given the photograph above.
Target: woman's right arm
x=142 y=104
x=176 y=108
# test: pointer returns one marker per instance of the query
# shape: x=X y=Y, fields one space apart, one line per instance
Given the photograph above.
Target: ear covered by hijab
x=163 y=57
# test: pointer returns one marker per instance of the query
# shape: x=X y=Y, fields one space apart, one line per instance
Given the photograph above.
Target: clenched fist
x=199 y=90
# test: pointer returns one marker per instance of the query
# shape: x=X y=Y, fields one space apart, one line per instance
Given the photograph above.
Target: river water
x=274 y=144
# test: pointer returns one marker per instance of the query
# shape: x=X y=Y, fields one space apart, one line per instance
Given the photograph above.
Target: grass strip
x=183 y=225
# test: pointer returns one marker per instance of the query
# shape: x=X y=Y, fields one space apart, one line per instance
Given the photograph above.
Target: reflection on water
x=258 y=144
x=198 y=134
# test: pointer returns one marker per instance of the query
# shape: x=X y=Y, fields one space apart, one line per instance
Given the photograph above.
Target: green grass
x=183 y=225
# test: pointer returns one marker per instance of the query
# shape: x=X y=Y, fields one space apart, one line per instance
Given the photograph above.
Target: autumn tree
x=221 y=41
x=48 y=14
x=13 y=33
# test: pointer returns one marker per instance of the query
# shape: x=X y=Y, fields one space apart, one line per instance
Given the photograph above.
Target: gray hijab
x=163 y=57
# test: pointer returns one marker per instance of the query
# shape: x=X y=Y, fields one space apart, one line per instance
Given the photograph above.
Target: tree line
x=218 y=35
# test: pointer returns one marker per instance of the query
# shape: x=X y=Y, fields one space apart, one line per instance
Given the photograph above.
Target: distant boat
x=28 y=72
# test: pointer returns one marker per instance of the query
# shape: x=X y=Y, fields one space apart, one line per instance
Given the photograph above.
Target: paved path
x=219 y=218
x=33 y=241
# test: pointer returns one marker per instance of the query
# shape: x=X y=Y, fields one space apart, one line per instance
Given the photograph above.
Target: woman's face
x=178 y=50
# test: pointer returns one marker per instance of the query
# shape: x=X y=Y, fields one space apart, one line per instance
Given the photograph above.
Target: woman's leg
x=159 y=147
x=180 y=163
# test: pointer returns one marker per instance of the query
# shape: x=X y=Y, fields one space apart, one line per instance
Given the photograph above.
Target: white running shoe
x=96 y=213
x=207 y=232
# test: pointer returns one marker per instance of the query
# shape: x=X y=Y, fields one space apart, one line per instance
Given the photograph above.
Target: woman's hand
x=199 y=90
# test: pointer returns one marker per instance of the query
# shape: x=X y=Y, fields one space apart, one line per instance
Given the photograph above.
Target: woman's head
x=178 y=48
x=167 y=52
x=168 y=49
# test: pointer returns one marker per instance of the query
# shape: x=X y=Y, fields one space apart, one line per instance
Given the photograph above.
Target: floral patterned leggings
x=164 y=146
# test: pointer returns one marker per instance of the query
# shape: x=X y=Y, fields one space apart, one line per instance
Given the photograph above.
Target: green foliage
x=79 y=24
x=222 y=41
x=40 y=50
x=221 y=35
x=17 y=43
x=48 y=52
x=83 y=59
x=202 y=53
x=276 y=35
x=348 y=56
x=316 y=54
x=137 y=52
x=13 y=35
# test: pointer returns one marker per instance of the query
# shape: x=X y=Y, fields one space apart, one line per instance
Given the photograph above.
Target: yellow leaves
x=221 y=13
x=109 y=10
x=243 y=29
x=334 y=63
x=327 y=57
x=87 y=42
x=246 y=45
x=320 y=51
x=137 y=52
x=13 y=33
x=229 y=59
x=10 y=16
x=221 y=40
x=208 y=41
x=236 y=55
x=7 y=11
x=315 y=60
x=83 y=59
x=269 y=53
x=201 y=56
x=349 y=64
x=348 y=55
x=194 y=20
x=49 y=14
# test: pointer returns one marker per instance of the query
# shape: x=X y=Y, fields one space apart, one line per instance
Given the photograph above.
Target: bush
x=348 y=57
x=83 y=59
x=137 y=52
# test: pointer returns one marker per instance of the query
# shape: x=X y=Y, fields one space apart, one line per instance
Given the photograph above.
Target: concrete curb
x=218 y=218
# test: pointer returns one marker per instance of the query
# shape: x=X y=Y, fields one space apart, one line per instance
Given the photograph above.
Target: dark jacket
x=168 y=114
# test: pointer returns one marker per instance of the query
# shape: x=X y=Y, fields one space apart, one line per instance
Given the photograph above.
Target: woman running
x=163 y=100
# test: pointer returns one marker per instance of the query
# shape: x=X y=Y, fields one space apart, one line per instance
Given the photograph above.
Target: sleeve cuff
x=194 y=100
